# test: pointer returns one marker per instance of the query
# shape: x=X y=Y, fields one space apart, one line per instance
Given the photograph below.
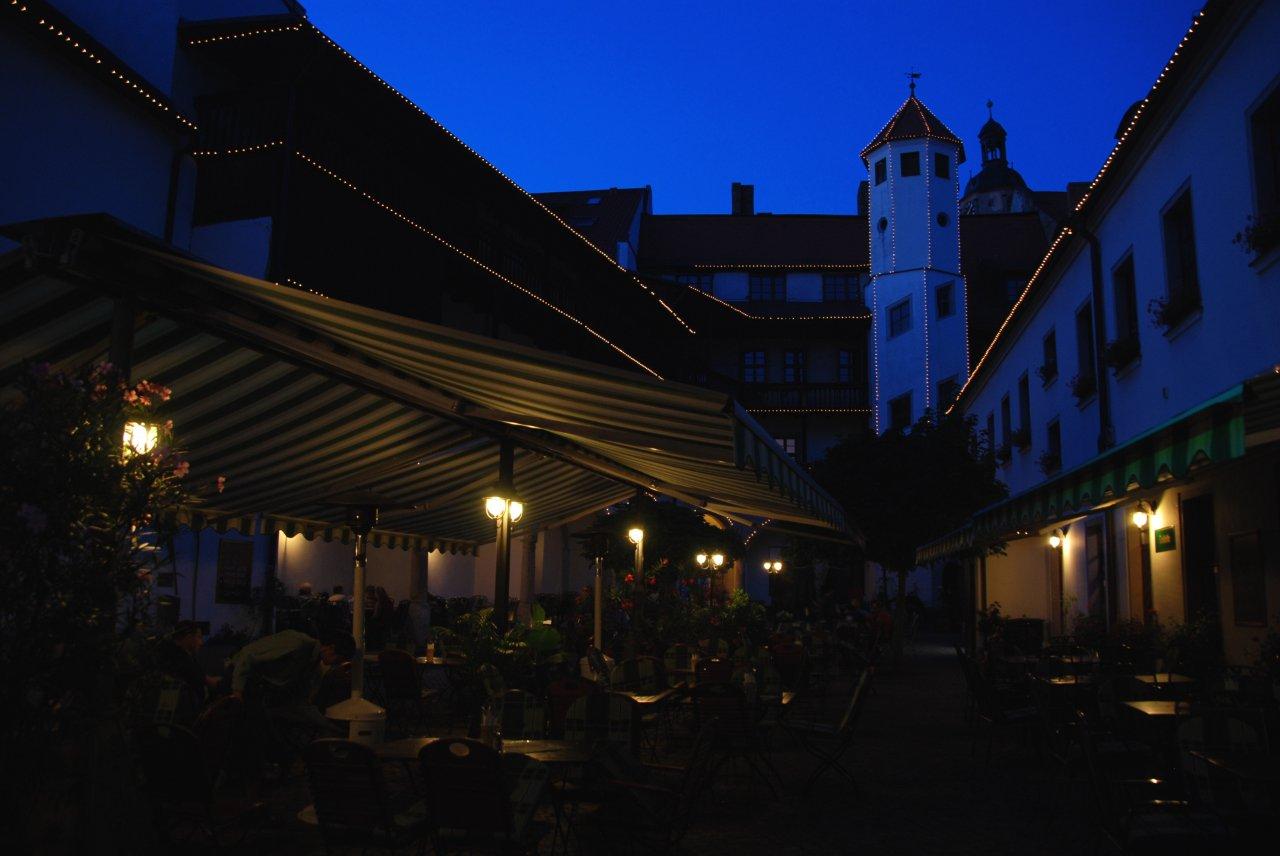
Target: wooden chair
x=679 y=661
x=602 y=716
x=737 y=735
x=352 y=802
x=472 y=802
x=182 y=788
x=640 y=674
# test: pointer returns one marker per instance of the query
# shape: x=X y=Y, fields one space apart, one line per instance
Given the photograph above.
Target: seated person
x=288 y=668
x=176 y=657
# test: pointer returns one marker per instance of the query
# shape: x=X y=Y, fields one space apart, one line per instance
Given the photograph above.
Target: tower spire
x=912 y=77
x=990 y=104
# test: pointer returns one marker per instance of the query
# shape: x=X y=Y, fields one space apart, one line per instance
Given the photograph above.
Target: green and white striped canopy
x=294 y=397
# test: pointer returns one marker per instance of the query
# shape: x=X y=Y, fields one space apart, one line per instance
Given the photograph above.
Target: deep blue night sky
x=688 y=97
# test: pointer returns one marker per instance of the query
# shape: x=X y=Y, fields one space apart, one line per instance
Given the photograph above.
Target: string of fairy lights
x=1066 y=232
x=413 y=224
x=928 y=263
x=307 y=25
x=149 y=95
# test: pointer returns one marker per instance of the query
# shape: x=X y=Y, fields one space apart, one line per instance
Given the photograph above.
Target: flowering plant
x=84 y=520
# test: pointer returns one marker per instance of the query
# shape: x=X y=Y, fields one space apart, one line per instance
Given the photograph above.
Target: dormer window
x=941 y=165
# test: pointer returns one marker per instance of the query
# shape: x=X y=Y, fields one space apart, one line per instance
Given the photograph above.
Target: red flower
x=653 y=581
x=629 y=578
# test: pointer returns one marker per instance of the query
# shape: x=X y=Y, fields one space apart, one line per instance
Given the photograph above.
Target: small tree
x=83 y=519
x=905 y=488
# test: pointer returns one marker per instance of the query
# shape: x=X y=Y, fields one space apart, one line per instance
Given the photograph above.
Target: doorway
x=1199 y=556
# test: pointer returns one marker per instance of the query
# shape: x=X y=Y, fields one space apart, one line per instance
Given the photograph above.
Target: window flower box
x=1122 y=352
x=1049 y=462
x=1083 y=387
x=1169 y=312
x=1260 y=235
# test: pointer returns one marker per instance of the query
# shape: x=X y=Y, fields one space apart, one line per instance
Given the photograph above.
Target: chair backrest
x=694 y=780
x=600 y=716
x=524 y=715
x=465 y=789
x=859 y=699
x=561 y=696
x=347 y=788
x=726 y=704
x=400 y=679
x=678 y=656
x=1098 y=786
x=173 y=763
x=639 y=674
x=714 y=670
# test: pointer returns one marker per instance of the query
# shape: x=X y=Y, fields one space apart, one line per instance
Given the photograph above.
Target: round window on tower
x=883 y=224
x=943 y=219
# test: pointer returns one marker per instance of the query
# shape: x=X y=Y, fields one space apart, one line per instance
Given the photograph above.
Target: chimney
x=744 y=199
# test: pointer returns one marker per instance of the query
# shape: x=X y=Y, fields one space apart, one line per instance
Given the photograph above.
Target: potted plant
x=1169 y=312
x=1049 y=462
x=1260 y=233
x=1082 y=386
x=1121 y=352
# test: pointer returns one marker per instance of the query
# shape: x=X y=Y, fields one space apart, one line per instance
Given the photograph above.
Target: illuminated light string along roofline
x=407 y=100
x=861 y=317
x=808 y=409
x=1080 y=205
x=419 y=227
x=784 y=266
x=424 y=230
x=291 y=281
x=155 y=100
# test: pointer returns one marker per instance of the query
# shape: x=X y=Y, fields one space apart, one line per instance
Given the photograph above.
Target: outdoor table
x=643 y=700
x=1251 y=766
x=1160 y=708
x=551 y=752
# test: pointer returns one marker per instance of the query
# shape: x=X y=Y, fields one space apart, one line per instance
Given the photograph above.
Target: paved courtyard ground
x=920 y=790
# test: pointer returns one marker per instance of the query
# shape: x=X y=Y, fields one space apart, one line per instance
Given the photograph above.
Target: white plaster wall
x=1019 y=580
x=1205 y=147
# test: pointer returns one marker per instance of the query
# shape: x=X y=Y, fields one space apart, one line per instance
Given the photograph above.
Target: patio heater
x=597 y=540
x=366 y=720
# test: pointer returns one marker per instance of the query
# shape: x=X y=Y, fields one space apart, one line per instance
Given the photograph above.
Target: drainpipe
x=1106 y=430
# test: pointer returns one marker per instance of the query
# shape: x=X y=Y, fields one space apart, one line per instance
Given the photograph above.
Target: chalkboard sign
x=235 y=572
x=1248 y=583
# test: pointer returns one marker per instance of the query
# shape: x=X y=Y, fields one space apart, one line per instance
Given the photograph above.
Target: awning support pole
x=502 y=549
x=357 y=613
x=597 y=636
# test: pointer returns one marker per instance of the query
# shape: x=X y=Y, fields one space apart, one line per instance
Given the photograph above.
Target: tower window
x=900 y=412
x=793 y=366
x=1084 y=347
x=946 y=300
x=1024 y=409
x=941 y=165
x=1049 y=368
x=909 y=164
x=1264 y=126
x=881 y=171
x=753 y=366
x=1126 y=300
x=1006 y=422
x=943 y=219
x=899 y=317
x=767 y=287
x=882 y=224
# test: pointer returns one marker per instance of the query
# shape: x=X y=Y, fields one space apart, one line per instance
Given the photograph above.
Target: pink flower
x=180 y=469
x=168 y=425
x=130 y=396
x=220 y=483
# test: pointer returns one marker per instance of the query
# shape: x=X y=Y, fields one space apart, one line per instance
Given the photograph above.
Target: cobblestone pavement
x=920 y=790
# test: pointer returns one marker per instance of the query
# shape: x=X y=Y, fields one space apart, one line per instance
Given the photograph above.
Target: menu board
x=235 y=572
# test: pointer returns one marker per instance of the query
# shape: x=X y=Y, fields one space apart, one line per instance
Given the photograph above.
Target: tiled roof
x=603 y=217
x=914 y=121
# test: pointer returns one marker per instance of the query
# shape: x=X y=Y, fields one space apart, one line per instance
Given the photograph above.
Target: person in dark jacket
x=177 y=657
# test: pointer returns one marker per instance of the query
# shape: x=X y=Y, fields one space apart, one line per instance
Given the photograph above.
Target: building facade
x=1131 y=393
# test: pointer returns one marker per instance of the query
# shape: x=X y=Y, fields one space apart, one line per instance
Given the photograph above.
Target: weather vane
x=912 y=77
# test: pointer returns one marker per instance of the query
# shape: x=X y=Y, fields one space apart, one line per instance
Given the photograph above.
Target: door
x=1095 y=565
x=1199 y=556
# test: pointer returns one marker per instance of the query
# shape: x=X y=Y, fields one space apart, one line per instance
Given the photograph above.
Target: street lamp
x=140 y=438
x=773 y=566
x=1142 y=515
x=500 y=501
x=713 y=561
x=636 y=535
x=1055 y=539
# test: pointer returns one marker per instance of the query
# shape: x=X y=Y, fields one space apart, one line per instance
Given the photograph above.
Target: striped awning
x=293 y=397
x=1211 y=433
